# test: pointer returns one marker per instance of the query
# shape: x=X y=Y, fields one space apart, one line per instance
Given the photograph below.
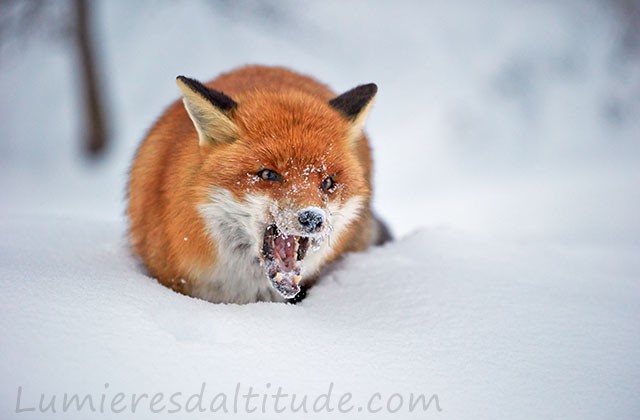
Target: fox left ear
x=354 y=105
x=210 y=111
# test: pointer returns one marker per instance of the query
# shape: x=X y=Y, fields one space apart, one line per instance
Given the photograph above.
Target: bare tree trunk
x=95 y=133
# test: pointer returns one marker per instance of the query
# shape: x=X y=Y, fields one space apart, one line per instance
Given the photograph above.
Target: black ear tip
x=217 y=98
x=371 y=88
x=351 y=103
x=187 y=80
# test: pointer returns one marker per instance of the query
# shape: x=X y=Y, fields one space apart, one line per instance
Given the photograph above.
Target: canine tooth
x=278 y=277
x=296 y=279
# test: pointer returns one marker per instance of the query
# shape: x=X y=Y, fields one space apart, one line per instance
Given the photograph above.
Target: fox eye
x=328 y=184
x=269 y=175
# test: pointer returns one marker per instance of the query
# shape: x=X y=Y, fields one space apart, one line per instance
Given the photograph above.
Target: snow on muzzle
x=283 y=255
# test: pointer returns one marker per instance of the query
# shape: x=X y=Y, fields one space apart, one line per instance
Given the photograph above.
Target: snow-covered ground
x=507 y=146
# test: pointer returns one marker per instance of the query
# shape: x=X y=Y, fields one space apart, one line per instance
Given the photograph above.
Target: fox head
x=281 y=175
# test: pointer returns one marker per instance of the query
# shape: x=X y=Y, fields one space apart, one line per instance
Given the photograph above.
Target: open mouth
x=283 y=255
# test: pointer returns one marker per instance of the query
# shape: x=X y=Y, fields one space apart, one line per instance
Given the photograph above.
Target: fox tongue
x=285 y=251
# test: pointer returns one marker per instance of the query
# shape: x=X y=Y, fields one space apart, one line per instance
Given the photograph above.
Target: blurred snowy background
x=507 y=133
x=507 y=117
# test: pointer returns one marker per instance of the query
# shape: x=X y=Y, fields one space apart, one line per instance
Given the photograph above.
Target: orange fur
x=285 y=124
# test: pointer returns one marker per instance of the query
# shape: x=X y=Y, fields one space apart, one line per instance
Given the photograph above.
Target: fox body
x=251 y=184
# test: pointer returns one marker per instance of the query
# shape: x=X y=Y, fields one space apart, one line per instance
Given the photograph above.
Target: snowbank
x=492 y=330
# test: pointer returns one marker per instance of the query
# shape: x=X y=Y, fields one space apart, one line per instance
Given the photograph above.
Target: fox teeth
x=278 y=277
x=296 y=279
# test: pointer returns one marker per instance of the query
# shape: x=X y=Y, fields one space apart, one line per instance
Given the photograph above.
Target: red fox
x=251 y=184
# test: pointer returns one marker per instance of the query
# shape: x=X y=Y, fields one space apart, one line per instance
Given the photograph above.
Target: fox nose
x=311 y=219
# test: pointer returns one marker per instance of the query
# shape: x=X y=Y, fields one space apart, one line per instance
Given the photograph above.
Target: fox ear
x=209 y=110
x=354 y=105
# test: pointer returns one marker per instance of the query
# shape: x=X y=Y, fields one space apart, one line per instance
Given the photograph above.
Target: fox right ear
x=209 y=110
x=354 y=105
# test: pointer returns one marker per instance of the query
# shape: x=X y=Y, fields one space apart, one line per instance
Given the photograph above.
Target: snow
x=506 y=144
